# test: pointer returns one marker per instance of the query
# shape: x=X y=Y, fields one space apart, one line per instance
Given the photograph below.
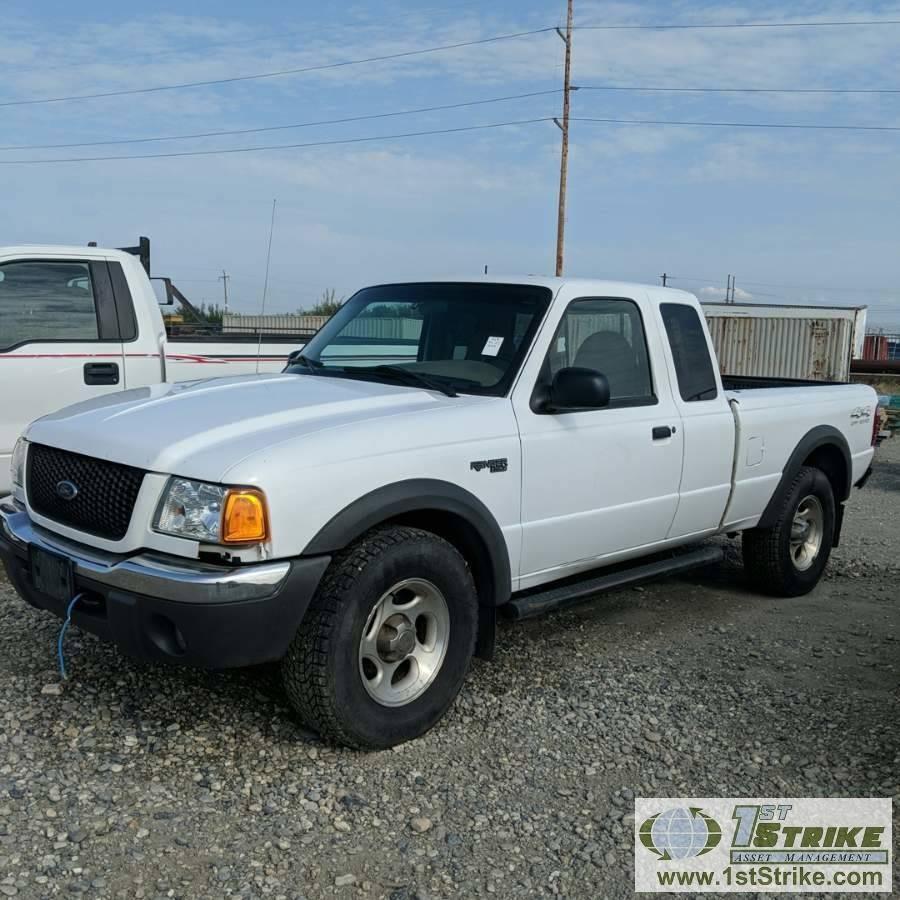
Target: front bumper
x=161 y=607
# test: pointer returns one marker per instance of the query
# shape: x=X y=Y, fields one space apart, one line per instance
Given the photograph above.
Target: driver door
x=59 y=341
x=597 y=483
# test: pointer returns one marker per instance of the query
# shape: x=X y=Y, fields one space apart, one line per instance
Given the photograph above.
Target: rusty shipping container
x=808 y=342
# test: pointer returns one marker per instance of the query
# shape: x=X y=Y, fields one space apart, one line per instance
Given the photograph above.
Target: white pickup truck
x=82 y=322
x=531 y=443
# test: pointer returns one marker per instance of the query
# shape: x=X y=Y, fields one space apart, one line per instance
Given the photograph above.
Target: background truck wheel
x=387 y=640
x=788 y=559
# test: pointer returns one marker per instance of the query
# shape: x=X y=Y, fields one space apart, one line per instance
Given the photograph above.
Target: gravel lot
x=155 y=782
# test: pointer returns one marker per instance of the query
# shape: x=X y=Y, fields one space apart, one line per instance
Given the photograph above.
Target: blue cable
x=62 y=634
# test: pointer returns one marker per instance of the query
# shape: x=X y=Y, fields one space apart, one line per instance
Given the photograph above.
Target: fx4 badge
x=860 y=414
x=492 y=465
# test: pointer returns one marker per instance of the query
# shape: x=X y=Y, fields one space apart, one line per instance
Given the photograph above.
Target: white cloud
x=712 y=294
x=773 y=205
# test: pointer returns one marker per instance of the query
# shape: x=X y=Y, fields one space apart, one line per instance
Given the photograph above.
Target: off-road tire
x=768 y=562
x=321 y=670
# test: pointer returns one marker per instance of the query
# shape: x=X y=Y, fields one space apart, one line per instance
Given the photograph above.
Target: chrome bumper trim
x=152 y=574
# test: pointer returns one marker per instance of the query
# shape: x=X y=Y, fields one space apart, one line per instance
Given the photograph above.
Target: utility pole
x=728 y=290
x=564 y=156
x=224 y=279
x=665 y=278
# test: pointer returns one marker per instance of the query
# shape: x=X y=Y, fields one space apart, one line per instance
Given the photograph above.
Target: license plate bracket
x=52 y=574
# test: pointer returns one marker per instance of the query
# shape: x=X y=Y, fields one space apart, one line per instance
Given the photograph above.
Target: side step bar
x=535 y=604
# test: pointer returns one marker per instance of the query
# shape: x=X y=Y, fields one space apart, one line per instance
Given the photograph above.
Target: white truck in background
x=80 y=322
x=531 y=442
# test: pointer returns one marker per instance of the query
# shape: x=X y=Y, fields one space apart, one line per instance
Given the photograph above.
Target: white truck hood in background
x=201 y=429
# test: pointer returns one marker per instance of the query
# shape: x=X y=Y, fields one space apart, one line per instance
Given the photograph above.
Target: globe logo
x=680 y=833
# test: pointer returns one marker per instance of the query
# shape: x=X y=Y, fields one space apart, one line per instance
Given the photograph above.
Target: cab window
x=690 y=352
x=607 y=336
x=46 y=301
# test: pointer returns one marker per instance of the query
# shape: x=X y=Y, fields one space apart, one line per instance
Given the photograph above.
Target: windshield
x=470 y=338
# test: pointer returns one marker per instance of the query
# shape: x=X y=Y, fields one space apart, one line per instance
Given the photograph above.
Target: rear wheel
x=385 y=645
x=788 y=559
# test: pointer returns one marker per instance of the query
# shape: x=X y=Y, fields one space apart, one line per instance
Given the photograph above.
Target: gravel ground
x=140 y=781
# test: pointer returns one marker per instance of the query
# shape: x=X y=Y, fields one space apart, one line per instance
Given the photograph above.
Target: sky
x=797 y=216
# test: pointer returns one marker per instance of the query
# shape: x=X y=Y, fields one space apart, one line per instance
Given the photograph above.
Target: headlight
x=17 y=464
x=212 y=513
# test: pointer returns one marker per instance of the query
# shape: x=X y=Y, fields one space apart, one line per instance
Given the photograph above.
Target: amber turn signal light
x=245 y=519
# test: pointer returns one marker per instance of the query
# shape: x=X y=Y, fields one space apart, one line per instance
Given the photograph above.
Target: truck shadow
x=886 y=475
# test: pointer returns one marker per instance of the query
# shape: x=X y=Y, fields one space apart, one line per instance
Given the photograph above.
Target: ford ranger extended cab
x=82 y=322
x=436 y=453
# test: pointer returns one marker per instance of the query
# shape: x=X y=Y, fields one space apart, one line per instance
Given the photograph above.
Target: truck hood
x=201 y=429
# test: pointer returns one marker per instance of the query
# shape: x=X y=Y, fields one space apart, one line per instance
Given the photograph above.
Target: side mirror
x=163 y=291
x=577 y=388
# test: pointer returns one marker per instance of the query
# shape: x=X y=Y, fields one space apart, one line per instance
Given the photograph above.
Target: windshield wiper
x=412 y=378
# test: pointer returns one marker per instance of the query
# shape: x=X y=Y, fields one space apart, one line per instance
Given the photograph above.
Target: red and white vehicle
x=80 y=322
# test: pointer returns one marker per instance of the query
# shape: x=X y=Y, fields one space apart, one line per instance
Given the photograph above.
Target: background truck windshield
x=470 y=337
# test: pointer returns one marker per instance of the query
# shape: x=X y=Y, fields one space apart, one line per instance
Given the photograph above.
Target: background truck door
x=600 y=481
x=60 y=341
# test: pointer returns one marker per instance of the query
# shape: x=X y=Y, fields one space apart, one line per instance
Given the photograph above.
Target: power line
x=276 y=74
x=722 y=25
x=798 y=287
x=739 y=90
x=218 y=45
x=359 y=140
x=196 y=48
x=236 y=131
x=820 y=287
x=408 y=53
x=286 y=35
x=737 y=124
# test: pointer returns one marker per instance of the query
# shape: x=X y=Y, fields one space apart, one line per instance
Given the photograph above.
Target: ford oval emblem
x=65 y=490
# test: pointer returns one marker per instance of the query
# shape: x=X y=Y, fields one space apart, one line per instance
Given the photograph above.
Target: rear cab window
x=690 y=352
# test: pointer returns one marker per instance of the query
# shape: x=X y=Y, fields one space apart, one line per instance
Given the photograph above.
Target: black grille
x=104 y=495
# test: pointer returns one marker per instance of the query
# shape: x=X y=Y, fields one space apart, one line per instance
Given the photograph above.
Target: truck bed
x=206 y=351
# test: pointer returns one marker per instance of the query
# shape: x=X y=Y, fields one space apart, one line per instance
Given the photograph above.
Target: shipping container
x=282 y=323
x=881 y=347
x=808 y=342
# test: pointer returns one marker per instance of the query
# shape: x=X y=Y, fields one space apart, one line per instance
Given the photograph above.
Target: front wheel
x=788 y=559
x=386 y=643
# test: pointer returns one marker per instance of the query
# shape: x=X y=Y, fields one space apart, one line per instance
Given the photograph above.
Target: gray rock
x=524 y=781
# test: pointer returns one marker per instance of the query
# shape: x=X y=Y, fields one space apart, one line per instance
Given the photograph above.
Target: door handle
x=661 y=432
x=101 y=373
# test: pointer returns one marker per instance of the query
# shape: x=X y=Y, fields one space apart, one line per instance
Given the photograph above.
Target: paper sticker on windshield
x=492 y=346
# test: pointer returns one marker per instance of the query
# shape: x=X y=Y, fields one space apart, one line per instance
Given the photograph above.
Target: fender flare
x=419 y=495
x=820 y=436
